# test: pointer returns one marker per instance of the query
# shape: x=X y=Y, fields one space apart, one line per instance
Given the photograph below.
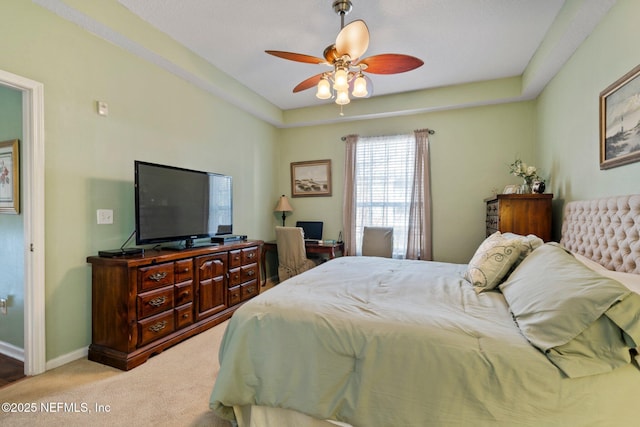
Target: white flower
x=521 y=169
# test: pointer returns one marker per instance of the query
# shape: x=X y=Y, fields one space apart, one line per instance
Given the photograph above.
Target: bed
x=526 y=334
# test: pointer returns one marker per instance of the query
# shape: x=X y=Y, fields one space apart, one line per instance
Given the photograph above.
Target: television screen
x=174 y=204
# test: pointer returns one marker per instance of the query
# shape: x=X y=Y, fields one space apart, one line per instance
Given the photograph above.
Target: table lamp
x=284 y=207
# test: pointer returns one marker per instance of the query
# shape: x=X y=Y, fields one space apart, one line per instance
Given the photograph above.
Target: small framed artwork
x=620 y=121
x=312 y=178
x=511 y=189
x=9 y=177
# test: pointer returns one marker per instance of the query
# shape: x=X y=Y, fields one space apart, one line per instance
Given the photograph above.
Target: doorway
x=32 y=152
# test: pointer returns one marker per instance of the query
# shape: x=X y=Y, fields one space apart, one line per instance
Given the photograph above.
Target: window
x=383 y=186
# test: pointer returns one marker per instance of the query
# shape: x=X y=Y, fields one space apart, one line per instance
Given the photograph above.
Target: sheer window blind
x=384 y=179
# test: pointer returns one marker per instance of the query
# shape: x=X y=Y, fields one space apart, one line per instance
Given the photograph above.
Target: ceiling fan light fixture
x=348 y=66
x=341 y=79
x=360 y=87
x=324 y=89
x=342 y=97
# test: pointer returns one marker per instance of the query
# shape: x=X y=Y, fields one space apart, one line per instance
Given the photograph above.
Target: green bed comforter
x=382 y=342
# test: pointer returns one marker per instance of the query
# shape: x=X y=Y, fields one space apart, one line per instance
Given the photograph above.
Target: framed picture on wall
x=620 y=121
x=9 y=177
x=312 y=178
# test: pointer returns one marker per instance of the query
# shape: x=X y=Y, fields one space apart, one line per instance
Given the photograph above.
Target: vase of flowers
x=529 y=174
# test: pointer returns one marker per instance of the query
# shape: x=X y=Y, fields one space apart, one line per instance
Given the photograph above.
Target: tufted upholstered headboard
x=605 y=230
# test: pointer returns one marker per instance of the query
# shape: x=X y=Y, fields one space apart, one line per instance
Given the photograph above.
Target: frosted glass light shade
x=342 y=98
x=324 y=89
x=341 y=80
x=360 y=87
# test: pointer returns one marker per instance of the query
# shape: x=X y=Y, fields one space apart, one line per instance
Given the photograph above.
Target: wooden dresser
x=142 y=305
x=520 y=213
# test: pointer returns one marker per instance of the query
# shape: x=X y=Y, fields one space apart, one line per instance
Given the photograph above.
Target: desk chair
x=292 y=257
x=377 y=241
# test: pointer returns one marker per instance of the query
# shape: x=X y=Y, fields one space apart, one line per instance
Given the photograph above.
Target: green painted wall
x=154 y=116
x=567 y=114
x=11 y=233
x=470 y=156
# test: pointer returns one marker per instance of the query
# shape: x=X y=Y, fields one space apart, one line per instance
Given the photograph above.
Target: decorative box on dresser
x=142 y=305
x=520 y=213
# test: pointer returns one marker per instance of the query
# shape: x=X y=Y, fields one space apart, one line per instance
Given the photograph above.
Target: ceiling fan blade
x=391 y=63
x=308 y=83
x=353 y=39
x=299 y=57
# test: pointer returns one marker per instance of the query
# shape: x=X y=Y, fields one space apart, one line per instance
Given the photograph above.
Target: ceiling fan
x=345 y=59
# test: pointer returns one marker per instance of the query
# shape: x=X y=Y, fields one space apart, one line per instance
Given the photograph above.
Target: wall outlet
x=105 y=216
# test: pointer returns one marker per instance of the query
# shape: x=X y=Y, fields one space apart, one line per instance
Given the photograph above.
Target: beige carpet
x=170 y=389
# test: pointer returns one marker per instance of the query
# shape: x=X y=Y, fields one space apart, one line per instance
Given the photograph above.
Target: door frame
x=33 y=210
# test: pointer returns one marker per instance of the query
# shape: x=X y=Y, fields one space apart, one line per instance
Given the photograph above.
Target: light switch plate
x=105 y=216
x=103 y=108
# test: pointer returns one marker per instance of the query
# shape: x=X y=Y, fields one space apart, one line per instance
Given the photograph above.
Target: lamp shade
x=283 y=205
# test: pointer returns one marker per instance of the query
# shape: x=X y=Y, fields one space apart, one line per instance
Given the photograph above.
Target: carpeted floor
x=170 y=389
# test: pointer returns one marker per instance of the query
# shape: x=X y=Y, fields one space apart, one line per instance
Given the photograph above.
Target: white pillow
x=630 y=280
x=492 y=261
x=530 y=242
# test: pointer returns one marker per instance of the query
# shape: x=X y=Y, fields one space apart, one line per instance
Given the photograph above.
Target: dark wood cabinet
x=142 y=305
x=520 y=213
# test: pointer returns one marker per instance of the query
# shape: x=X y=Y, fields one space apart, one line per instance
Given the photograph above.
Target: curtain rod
x=429 y=131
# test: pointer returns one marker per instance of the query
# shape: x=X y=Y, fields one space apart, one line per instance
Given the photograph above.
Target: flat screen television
x=174 y=204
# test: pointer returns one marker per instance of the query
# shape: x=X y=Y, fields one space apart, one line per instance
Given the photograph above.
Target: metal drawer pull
x=251 y=255
x=158 y=276
x=158 y=326
x=250 y=273
x=157 y=302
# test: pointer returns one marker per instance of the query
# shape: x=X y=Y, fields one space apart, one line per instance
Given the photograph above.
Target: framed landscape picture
x=9 y=177
x=620 y=121
x=312 y=178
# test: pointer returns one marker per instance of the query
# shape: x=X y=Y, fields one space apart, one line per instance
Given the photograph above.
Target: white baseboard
x=12 y=351
x=18 y=354
x=67 y=358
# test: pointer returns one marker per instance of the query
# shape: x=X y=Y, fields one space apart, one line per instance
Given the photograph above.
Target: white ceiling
x=460 y=41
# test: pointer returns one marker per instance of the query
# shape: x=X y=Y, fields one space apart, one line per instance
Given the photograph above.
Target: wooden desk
x=311 y=248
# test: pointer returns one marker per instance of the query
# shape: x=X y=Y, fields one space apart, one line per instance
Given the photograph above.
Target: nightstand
x=520 y=213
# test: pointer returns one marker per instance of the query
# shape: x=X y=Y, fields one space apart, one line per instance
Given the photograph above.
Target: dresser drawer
x=248 y=290
x=183 y=270
x=234 y=295
x=183 y=293
x=155 y=327
x=235 y=258
x=249 y=272
x=184 y=315
x=242 y=274
x=245 y=256
x=153 y=302
x=155 y=276
x=249 y=255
